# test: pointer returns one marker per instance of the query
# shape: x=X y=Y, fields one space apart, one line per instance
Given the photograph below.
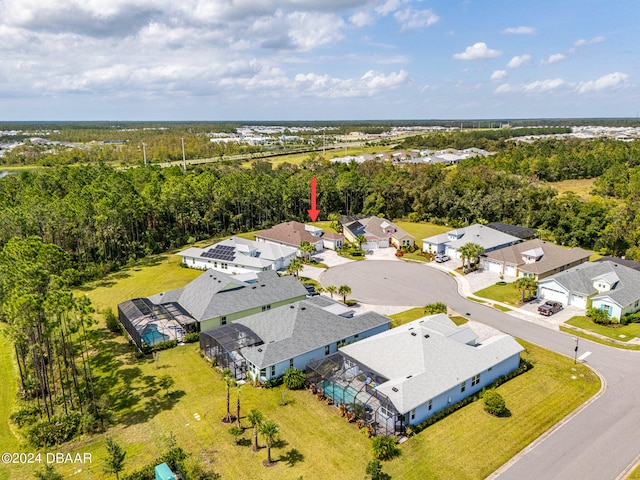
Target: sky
x=318 y=59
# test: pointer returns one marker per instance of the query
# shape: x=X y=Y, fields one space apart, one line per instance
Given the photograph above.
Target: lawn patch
x=501 y=292
x=621 y=333
x=421 y=230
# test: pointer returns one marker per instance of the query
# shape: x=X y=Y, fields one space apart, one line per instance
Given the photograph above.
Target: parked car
x=441 y=258
x=549 y=308
x=311 y=291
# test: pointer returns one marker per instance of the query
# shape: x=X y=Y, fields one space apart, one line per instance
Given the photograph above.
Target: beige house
x=534 y=258
x=380 y=233
x=292 y=234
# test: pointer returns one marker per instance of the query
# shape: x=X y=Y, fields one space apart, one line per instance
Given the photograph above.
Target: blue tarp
x=163 y=472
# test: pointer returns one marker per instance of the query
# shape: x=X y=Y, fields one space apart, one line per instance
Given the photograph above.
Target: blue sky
x=317 y=59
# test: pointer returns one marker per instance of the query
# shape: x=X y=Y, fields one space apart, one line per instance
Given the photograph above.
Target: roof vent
x=291 y=306
x=263 y=285
x=409 y=376
x=413 y=334
x=303 y=308
x=219 y=281
x=395 y=389
x=426 y=336
x=211 y=276
x=260 y=350
x=253 y=288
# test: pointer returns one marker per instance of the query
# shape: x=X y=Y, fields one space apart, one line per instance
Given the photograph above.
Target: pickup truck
x=549 y=308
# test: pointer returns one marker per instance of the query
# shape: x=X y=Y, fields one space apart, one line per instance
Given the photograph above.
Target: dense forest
x=104 y=217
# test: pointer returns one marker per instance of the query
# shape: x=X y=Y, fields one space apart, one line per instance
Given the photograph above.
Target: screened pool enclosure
x=347 y=382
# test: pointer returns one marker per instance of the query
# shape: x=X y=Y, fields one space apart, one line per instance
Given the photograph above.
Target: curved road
x=599 y=442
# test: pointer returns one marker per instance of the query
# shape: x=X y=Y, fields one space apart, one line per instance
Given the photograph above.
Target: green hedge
x=59 y=430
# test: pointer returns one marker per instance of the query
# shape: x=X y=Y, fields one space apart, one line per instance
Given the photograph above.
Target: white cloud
x=477 y=51
x=362 y=19
x=520 y=30
x=543 y=85
x=582 y=42
x=498 y=75
x=519 y=60
x=504 y=88
x=369 y=84
x=611 y=80
x=388 y=7
x=411 y=19
x=556 y=57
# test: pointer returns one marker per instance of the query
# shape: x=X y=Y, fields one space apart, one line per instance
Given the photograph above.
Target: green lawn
x=622 y=333
x=421 y=230
x=600 y=340
x=412 y=314
x=506 y=293
x=8 y=442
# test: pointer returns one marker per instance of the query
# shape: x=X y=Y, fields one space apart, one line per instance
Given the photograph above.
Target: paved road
x=597 y=443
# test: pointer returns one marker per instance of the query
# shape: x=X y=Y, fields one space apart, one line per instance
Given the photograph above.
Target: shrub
x=294 y=379
x=494 y=404
x=59 y=430
x=598 y=316
x=26 y=415
x=273 y=382
x=191 y=337
x=384 y=448
x=433 y=308
x=113 y=324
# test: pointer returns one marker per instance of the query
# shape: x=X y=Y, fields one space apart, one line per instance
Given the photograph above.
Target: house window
x=266 y=307
x=223 y=320
x=430 y=404
x=263 y=372
x=349 y=363
x=386 y=411
x=291 y=363
x=273 y=371
x=463 y=386
x=327 y=349
x=341 y=343
x=413 y=414
x=475 y=380
x=355 y=337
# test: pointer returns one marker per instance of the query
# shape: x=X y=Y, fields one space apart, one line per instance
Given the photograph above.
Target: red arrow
x=313 y=212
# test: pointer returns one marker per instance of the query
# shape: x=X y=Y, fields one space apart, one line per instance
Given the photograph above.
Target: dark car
x=311 y=291
x=549 y=308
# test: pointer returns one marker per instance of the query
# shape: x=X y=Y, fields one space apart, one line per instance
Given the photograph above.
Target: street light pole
x=575 y=357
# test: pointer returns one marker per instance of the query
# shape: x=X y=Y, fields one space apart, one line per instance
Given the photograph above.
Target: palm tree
x=269 y=429
x=344 y=290
x=470 y=251
x=238 y=405
x=476 y=251
x=307 y=249
x=465 y=254
x=230 y=382
x=331 y=289
x=360 y=239
x=255 y=418
x=526 y=284
x=294 y=267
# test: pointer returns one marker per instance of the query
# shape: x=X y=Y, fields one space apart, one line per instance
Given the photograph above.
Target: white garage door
x=383 y=243
x=579 y=301
x=492 y=266
x=510 y=270
x=554 y=295
x=372 y=245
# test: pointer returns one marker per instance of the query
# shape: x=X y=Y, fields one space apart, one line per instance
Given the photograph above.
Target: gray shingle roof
x=422 y=363
x=553 y=256
x=580 y=280
x=214 y=294
x=301 y=327
x=486 y=237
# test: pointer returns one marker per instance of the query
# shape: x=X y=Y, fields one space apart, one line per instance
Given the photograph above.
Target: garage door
x=579 y=301
x=510 y=270
x=383 y=243
x=492 y=266
x=372 y=245
x=554 y=295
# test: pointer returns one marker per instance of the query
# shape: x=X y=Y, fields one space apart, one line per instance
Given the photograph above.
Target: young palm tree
x=307 y=249
x=525 y=284
x=255 y=418
x=360 y=239
x=331 y=289
x=269 y=430
x=294 y=267
x=230 y=382
x=344 y=290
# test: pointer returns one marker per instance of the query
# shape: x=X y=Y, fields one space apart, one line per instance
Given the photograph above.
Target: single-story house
x=404 y=375
x=380 y=233
x=264 y=345
x=523 y=233
x=238 y=255
x=533 y=258
x=606 y=285
x=292 y=234
x=621 y=261
x=449 y=243
x=211 y=300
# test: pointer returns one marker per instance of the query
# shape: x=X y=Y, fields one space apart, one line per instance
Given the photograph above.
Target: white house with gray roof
x=408 y=373
x=606 y=286
x=264 y=345
x=449 y=243
x=238 y=255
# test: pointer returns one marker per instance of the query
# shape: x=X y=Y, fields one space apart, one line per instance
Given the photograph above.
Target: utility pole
x=144 y=152
x=575 y=357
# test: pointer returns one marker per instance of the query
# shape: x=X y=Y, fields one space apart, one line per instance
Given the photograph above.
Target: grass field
x=421 y=230
x=501 y=293
x=8 y=442
x=582 y=188
x=622 y=333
